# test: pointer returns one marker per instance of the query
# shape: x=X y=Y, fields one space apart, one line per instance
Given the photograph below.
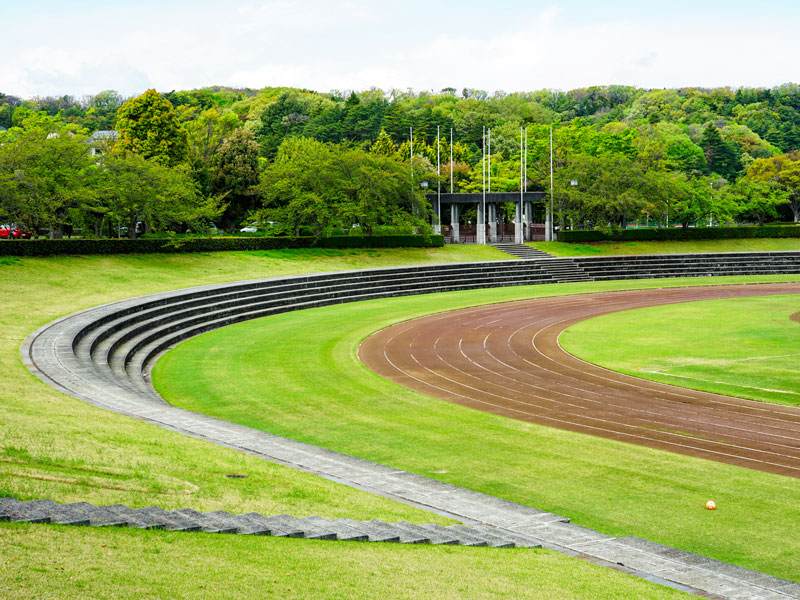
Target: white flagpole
x=451 y=160
x=551 y=228
x=436 y=227
x=489 y=169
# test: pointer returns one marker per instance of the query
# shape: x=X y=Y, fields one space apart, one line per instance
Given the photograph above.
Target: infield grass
x=745 y=347
x=672 y=247
x=314 y=389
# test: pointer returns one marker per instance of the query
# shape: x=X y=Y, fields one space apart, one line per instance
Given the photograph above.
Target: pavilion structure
x=487 y=201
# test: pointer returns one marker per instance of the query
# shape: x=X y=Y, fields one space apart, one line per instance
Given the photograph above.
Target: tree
x=315 y=185
x=755 y=201
x=782 y=170
x=148 y=126
x=235 y=174
x=136 y=189
x=46 y=178
x=206 y=131
x=723 y=158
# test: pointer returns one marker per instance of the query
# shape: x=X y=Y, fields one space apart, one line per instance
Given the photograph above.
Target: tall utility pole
x=437 y=225
x=550 y=226
x=526 y=159
x=489 y=152
x=451 y=160
x=481 y=235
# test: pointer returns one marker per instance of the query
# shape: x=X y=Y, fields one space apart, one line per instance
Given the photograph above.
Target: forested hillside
x=319 y=160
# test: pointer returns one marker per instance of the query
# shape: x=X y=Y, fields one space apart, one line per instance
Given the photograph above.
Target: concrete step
x=22 y=512
x=219 y=521
x=491 y=538
x=520 y=250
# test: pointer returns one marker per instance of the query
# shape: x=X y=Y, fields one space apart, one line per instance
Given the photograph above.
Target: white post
x=526 y=159
x=549 y=221
x=437 y=226
x=451 y=160
x=480 y=226
x=518 y=217
x=489 y=152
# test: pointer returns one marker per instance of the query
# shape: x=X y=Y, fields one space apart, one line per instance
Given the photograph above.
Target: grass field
x=130 y=563
x=316 y=390
x=688 y=247
x=745 y=347
x=53 y=446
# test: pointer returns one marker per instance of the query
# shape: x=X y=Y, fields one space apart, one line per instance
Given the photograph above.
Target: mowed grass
x=315 y=389
x=745 y=347
x=152 y=564
x=677 y=247
x=53 y=446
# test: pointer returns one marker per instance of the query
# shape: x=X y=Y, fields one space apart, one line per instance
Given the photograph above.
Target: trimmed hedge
x=44 y=247
x=678 y=233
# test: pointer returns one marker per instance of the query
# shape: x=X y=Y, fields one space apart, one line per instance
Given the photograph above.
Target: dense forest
x=331 y=161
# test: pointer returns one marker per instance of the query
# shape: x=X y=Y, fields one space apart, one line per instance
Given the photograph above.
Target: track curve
x=505 y=359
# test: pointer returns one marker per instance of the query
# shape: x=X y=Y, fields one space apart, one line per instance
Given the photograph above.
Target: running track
x=505 y=359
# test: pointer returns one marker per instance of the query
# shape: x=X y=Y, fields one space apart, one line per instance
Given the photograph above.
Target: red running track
x=505 y=359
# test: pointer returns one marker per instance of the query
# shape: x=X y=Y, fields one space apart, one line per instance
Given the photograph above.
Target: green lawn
x=129 y=563
x=317 y=391
x=745 y=347
x=688 y=247
x=53 y=446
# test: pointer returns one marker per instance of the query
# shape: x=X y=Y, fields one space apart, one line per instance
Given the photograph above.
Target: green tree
x=47 y=179
x=149 y=127
x=315 y=185
x=755 y=201
x=136 y=189
x=723 y=158
x=783 y=171
x=236 y=173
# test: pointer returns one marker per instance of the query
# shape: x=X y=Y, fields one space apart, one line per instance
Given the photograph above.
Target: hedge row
x=678 y=233
x=44 y=247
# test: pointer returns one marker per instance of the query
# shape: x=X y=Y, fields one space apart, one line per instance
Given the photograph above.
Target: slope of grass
x=688 y=247
x=53 y=446
x=745 y=347
x=315 y=389
x=92 y=563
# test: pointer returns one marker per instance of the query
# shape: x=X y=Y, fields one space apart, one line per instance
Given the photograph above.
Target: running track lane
x=505 y=359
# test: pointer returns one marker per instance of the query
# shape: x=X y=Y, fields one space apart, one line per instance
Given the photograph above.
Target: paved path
x=49 y=354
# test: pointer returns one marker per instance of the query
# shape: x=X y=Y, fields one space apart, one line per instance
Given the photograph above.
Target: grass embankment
x=316 y=390
x=745 y=347
x=687 y=247
x=53 y=446
x=153 y=564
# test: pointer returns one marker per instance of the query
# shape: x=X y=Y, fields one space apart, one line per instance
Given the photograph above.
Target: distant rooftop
x=103 y=135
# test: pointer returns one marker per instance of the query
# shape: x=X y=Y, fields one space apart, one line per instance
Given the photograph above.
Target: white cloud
x=354 y=44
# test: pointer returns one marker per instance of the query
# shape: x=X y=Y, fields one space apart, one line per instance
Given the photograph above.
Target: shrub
x=44 y=247
x=678 y=233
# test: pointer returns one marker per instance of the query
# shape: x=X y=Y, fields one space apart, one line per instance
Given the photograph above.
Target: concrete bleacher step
x=520 y=250
x=315 y=528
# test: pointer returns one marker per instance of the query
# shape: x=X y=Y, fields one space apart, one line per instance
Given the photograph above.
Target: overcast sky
x=82 y=46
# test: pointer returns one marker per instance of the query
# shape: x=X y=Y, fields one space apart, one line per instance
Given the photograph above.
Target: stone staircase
x=313 y=528
x=520 y=250
x=566 y=270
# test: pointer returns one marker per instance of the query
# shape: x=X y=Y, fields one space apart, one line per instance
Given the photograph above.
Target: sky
x=82 y=47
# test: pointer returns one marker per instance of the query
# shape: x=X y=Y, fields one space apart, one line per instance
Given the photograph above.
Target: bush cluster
x=44 y=247
x=678 y=233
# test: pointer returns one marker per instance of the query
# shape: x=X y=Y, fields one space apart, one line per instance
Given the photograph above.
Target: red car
x=14 y=231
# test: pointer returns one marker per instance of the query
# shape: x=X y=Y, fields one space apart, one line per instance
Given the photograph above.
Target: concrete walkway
x=49 y=354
